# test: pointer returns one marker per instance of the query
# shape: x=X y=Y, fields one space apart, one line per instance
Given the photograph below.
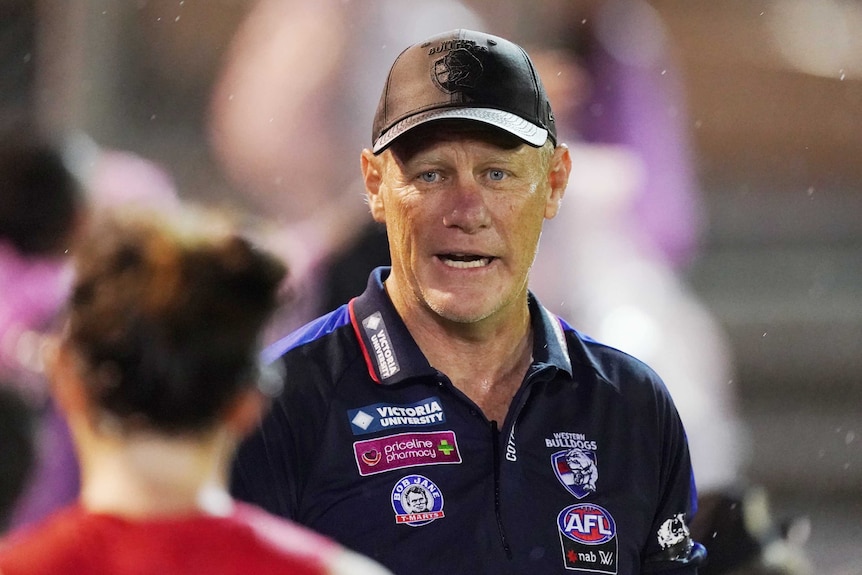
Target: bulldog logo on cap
x=458 y=70
x=475 y=77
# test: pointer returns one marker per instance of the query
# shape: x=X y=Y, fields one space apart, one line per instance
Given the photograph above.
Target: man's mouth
x=465 y=261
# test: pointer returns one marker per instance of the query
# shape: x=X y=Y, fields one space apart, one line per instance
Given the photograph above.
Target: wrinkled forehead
x=439 y=132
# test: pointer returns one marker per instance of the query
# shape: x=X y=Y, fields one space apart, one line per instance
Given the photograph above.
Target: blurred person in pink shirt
x=48 y=188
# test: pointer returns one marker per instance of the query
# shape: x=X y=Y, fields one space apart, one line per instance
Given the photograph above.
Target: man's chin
x=463 y=306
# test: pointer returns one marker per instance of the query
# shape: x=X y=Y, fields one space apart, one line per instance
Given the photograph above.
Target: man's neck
x=487 y=362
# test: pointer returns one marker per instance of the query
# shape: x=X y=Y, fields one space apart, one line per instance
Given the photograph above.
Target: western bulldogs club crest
x=577 y=470
x=416 y=501
x=457 y=71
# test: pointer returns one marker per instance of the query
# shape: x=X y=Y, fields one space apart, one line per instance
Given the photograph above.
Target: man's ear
x=372 y=175
x=558 y=179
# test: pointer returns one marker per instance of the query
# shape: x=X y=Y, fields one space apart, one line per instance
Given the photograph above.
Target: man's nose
x=466 y=206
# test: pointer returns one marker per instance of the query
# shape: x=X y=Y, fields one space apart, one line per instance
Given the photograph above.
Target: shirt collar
x=392 y=355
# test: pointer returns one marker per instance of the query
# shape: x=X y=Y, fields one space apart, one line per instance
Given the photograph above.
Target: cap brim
x=515 y=125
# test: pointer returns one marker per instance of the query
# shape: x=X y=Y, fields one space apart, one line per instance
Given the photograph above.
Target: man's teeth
x=465 y=263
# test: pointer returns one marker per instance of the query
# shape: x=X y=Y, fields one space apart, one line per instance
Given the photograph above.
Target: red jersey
x=75 y=541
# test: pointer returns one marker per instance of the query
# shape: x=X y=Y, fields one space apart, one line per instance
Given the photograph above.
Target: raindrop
x=177 y=19
x=848 y=439
x=841 y=74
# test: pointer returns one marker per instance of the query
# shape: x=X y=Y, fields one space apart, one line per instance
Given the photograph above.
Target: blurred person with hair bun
x=157 y=370
x=48 y=189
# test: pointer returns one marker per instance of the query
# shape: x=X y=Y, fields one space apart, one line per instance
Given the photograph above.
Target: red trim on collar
x=356 y=329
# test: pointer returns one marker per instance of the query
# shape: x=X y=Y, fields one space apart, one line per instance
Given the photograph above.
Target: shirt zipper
x=495 y=437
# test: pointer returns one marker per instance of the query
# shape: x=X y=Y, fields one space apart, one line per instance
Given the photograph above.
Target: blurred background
x=770 y=110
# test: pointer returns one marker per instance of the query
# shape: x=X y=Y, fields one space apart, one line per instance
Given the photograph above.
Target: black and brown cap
x=465 y=75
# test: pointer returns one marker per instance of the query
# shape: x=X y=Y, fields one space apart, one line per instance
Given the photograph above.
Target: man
x=448 y=375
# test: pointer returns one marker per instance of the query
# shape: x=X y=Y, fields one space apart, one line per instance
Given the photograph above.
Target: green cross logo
x=445 y=447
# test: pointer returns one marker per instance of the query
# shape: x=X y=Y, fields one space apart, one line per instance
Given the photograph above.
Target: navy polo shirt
x=374 y=447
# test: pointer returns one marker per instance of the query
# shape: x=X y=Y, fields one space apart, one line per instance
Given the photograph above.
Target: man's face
x=416 y=501
x=464 y=210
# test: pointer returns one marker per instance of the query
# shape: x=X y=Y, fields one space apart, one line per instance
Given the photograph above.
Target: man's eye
x=496 y=175
x=429 y=177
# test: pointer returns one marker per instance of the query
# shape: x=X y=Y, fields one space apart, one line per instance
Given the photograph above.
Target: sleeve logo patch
x=416 y=501
x=405 y=450
x=588 y=535
x=675 y=538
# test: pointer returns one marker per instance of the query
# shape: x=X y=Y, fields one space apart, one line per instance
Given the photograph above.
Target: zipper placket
x=495 y=439
x=514 y=411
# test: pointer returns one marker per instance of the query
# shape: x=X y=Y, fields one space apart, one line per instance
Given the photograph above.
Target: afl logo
x=587 y=523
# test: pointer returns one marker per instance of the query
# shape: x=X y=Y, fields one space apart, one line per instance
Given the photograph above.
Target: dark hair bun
x=167 y=312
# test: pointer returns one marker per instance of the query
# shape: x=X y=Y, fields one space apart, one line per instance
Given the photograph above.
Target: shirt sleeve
x=264 y=468
x=670 y=546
